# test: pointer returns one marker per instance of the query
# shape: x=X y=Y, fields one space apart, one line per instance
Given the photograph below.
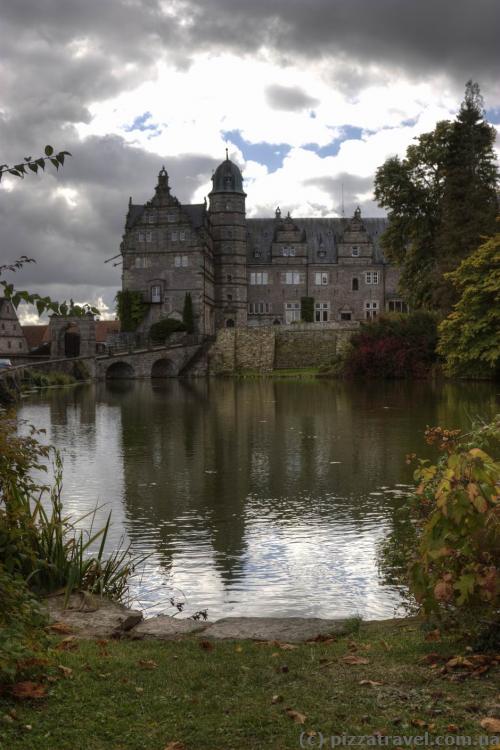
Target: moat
x=261 y=497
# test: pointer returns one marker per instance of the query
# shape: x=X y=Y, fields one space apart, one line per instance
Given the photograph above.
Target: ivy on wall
x=130 y=309
x=307 y=309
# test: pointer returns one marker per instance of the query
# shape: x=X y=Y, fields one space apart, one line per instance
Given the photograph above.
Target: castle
x=248 y=272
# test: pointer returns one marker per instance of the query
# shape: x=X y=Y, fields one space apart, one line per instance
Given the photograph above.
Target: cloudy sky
x=307 y=96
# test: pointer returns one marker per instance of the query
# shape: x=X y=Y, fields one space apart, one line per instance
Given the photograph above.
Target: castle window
x=140 y=236
x=174 y=236
x=321 y=279
x=345 y=315
x=291 y=277
x=20 y=345
x=156 y=293
x=288 y=252
x=371 y=310
x=229 y=277
x=372 y=277
x=355 y=251
x=229 y=205
x=355 y=284
x=321 y=253
x=183 y=236
x=229 y=232
x=229 y=297
x=149 y=236
x=181 y=261
x=259 y=308
x=397 y=306
x=9 y=343
x=259 y=278
x=151 y=218
x=171 y=217
x=257 y=254
x=292 y=312
x=321 y=311
x=142 y=261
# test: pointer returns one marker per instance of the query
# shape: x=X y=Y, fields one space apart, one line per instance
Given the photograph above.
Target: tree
x=187 y=313
x=469 y=338
x=441 y=198
x=42 y=304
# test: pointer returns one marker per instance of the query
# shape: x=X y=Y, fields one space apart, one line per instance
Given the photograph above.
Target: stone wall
x=276 y=347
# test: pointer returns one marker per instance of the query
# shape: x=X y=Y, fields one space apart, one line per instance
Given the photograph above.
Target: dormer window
x=355 y=251
x=257 y=254
x=288 y=252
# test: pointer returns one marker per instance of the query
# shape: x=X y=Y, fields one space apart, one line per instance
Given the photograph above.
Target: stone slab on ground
x=166 y=628
x=283 y=629
x=88 y=616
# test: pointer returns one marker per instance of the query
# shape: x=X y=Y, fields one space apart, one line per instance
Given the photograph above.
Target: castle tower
x=229 y=232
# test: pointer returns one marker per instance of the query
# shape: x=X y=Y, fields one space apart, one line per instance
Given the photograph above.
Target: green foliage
x=307 y=309
x=21 y=626
x=187 y=313
x=19 y=170
x=42 y=304
x=163 y=328
x=456 y=570
x=393 y=346
x=40 y=543
x=469 y=338
x=131 y=309
x=38 y=379
x=441 y=198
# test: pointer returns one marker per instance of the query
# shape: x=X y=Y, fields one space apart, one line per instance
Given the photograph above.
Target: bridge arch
x=162 y=368
x=120 y=371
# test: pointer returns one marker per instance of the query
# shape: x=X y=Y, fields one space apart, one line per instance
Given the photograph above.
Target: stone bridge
x=156 y=362
x=153 y=362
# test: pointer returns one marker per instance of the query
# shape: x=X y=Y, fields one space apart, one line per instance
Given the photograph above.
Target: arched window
x=355 y=284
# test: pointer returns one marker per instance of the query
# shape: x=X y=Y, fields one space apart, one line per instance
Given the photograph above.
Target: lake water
x=261 y=497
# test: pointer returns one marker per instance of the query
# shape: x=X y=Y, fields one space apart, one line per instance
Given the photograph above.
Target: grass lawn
x=142 y=695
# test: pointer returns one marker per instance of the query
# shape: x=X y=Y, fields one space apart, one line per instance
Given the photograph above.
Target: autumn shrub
x=455 y=572
x=394 y=346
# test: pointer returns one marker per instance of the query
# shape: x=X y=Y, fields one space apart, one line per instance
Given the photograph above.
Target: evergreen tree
x=469 y=205
x=187 y=313
x=442 y=200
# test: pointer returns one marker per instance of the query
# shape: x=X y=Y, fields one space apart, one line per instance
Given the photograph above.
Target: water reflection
x=253 y=497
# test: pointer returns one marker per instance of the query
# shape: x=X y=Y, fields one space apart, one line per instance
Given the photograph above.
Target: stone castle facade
x=249 y=272
x=12 y=340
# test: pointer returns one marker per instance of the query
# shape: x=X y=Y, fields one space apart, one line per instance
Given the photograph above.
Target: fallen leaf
x=206 y=645
x=68 y=644
x=297 y=717
x=238 y=649
x=277 y=699
x=353 y=659
x=139 y=690
x=67 y=672
x=452 y=728
x=371 y=683
x=29 y=690
x=418 y=723
x=320 y=638
x=147 y=664
x=61 y=627
x=459 y=661
x=287 y=647
x=490 y=724
x=433 y=635
x=175 y=745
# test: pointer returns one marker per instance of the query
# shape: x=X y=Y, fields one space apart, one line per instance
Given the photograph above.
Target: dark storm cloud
x=429 y=36
x=289 y=98
x=61 y=56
